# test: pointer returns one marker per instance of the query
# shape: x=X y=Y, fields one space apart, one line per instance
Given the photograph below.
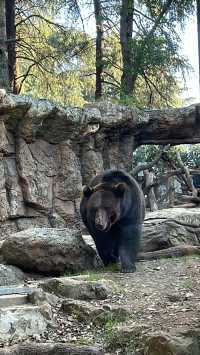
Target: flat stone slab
x=13 y=300
x=16 y=290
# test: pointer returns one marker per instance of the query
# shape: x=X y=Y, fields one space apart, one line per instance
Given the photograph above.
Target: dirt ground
x=161 y=295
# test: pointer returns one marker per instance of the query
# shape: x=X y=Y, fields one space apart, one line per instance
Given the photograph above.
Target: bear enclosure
x=48 y=153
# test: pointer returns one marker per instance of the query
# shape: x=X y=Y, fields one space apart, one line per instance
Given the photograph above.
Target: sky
x=190 y=50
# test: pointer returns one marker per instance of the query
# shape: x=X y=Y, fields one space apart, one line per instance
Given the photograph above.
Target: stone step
x=16 y=290
x=13 y=300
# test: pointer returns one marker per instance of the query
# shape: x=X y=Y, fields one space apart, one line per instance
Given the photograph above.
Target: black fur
x=123 y=238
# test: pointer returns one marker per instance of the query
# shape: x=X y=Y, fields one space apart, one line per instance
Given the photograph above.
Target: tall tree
x=4 y=78
x=11 y=40
x=153 y=35
x=198 y=34
x=126 y=33
x=98 y=11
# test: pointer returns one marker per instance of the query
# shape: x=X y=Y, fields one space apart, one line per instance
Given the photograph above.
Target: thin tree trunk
x=99 y=47
x=4 y=79
x=126 y=32
x=198 y=32
x=152 y=203
x=11 y=37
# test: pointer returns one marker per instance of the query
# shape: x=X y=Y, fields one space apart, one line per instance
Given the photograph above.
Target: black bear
x=112 y=208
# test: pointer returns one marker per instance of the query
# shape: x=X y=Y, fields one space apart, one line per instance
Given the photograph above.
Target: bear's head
x=104 y=204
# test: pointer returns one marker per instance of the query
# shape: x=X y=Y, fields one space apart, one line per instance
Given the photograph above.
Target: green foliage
x=190 y=155
x=56 y=60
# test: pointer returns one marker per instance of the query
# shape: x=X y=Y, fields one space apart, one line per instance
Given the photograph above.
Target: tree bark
x=198 y=33
x=149 y=177
x=11 y=37
x=126 y=32
x=180 y=250
x=99 y=47
x=4 y=78
x=49 y=349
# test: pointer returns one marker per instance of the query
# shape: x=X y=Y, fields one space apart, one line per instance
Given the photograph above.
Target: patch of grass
x=188 y=284
x=93 y=276
x=84 y=341
x=113 y=340
x=112 y=268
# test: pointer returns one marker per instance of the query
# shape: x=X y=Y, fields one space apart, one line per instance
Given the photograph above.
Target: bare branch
x=148 y=166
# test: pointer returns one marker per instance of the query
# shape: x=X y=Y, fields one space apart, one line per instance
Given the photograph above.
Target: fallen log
x=49 y=349
x=180 y=250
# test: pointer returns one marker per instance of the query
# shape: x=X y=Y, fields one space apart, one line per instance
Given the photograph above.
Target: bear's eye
x=119 y=189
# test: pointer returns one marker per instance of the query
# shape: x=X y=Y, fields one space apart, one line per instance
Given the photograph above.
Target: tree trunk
x=126 y=31
x=49 y=349
x=149 y=177
x=4 y=79
x=99 y=47
x=11 y=37
x=198 y=32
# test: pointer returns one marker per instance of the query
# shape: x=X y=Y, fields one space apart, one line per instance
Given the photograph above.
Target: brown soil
x=161 y=295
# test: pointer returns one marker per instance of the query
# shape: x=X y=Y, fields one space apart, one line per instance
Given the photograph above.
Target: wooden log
x=180 y=250
x=49 y=349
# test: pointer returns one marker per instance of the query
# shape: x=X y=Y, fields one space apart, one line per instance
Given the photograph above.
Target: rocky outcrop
x=47 y=153
x=49 y=251
x=99 y=315
x=77 y=289
x=171 y=227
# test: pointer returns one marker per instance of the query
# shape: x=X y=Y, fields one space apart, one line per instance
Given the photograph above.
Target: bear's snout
x=102 y=222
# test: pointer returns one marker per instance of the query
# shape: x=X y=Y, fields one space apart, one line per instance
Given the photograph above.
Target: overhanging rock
x=48 y=152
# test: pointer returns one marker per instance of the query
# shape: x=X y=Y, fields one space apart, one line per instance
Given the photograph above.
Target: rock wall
x=47 y=153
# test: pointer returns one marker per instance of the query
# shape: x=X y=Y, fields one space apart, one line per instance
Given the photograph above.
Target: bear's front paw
x=128 y=268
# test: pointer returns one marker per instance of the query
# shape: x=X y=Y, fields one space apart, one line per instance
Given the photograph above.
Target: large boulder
x=48 y=250
x=171 y=227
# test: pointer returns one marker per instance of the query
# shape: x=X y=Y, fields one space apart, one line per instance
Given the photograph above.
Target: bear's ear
x=119 y=189
x=87 y=191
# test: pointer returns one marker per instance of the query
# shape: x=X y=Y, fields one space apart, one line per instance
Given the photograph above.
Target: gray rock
x=39 y=297
x=50 y=251
x=99 y=315
x=77 y=289
x=21 y=322
x=175 y=344
x=170 y=227
x=10 y=275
